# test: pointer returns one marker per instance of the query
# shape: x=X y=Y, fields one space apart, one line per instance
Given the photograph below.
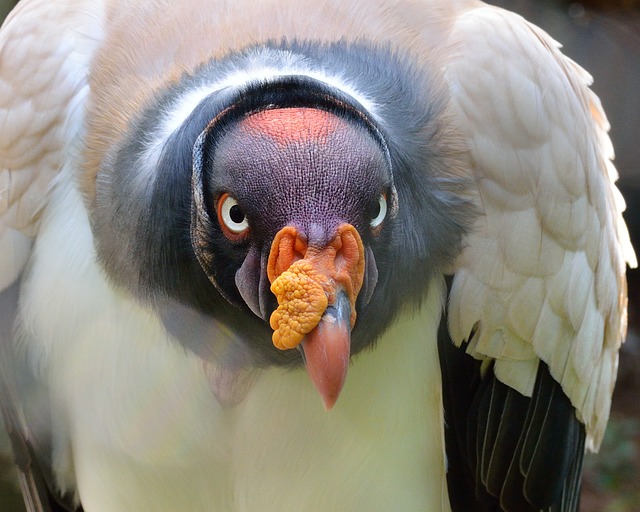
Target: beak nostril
x=299 y=248
x=288 y=247
x=305 y=287
x=348 y=250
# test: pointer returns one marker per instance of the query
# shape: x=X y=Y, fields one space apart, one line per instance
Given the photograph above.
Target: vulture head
x=283 y=211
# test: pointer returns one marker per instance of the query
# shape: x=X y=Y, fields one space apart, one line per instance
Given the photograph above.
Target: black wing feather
x=459 y=393
x=549 y=451
x=507 y=452
x=506 y=443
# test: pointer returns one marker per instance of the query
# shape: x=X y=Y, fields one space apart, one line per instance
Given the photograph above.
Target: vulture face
x=300 y=176
x=296 y=196
x=282 y=213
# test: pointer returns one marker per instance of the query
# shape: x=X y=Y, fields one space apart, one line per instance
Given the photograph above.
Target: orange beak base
x=316 y=291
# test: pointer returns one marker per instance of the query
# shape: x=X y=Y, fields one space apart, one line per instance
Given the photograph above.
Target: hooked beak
x=316 y=291
x=326 y=350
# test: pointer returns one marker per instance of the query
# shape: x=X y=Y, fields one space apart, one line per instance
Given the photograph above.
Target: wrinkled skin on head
x=301 y=180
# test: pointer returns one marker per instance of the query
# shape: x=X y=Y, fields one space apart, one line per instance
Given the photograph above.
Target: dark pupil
x=375 y=210
x=236 y=214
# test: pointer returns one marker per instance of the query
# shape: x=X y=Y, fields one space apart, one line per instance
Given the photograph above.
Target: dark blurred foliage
x=5 y=7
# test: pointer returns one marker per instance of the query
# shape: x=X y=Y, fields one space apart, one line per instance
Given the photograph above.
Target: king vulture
x=303 y=255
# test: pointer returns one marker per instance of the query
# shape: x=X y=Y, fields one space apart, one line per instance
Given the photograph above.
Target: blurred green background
x=603 y=36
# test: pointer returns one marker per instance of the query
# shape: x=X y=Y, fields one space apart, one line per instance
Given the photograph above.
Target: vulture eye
x=378 y=212
x=232 y=218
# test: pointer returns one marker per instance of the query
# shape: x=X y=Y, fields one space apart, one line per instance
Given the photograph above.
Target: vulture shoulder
x=538 y=299
x=45 y=53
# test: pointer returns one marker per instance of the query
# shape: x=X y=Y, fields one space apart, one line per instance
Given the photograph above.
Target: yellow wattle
x=302 y=301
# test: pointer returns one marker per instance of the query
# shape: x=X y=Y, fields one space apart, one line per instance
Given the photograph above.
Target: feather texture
x=507 y=452
x=543 y=271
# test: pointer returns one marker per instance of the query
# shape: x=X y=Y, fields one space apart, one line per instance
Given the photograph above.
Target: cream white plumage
x=540 y=276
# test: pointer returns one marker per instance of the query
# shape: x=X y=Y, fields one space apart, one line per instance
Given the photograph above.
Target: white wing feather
x=45 y=52
x=542 y=274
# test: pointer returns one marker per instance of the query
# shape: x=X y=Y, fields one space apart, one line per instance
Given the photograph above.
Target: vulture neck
x=386 y=427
